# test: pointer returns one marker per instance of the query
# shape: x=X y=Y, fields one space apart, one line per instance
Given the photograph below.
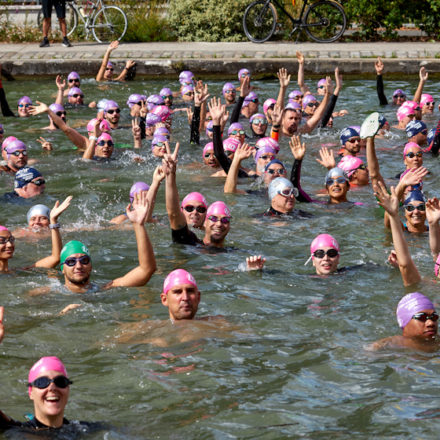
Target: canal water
x=288 y=358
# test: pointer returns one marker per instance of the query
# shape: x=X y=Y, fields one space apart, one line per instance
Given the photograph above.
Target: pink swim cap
x=208 y=147
x=408 y=146
x=162 y=111
x=264 y=150
x=437 y=264
x=104 y=125
x=13 y=146
x=231 y=144
x=323 y=240
x=406 y=109
x=350 y=164
x=268 y=103
x=268 y=142
x=7 y=141
x=218 y=208
x=194 y=197
x=104 y=137
x=48 y=363
x=411 y=304
x=4 y=228
x=187 y=89
x=177 y=277
x=426 y=98
x=322 y=82
x=136 y=188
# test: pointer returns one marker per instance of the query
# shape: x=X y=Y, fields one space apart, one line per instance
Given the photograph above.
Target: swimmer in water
x=356 y=170
x=350 y=142
x=73 y=80
x=28 y=183
x=59 y=110
x=112 y=113
x=194 y=208
x=418 y=319
x=337 y=185
x=23 y=105
x=258 y=124
x=76 y=262
x=268 y=107
x=427 y=103
x=105 y=72
x=16 y=156
x=417 y=132
x=102 y=148
x=324 y=253
x=229 y=93
x=209 y=158
x=7 y=241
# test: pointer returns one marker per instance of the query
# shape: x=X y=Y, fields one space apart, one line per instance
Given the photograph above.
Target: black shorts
x=60 y=8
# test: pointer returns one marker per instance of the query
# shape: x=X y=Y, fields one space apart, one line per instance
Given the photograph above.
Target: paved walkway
x=220 y=58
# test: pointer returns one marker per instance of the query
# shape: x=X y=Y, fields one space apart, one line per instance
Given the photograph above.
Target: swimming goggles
x=43 y=382
x=111 y=111
x=103 y=143
x=167 y=96
x=230 y=91
x=71 y=261
x=18 y=152
x=199 y=209
x=4 y=240
x=257 y=121
x=61 y=114
x=24 y=105
x=276 y=171
x=76 y=95
x=411 y=208
x=321 y=253
x=235 y=132
x=74 y=80
x=38 y=182
x=422 y=316
x=266 y=157
x=340 y=180
x=354 y=139
x=287 y=192
x=313 y=104
x=411 y=155
x=215 y=219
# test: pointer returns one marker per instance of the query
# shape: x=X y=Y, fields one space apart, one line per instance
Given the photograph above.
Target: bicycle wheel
x=325 y=21
x=71 y=20
x=109 y=24
x=259 y=21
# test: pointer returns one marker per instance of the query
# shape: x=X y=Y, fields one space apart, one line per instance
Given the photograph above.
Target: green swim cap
x=70 y=248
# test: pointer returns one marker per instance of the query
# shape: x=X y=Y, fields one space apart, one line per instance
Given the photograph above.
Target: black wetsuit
x=271 y=212
x=185 y=236
x=195 y=127
x=6 y=111
x=380 y=94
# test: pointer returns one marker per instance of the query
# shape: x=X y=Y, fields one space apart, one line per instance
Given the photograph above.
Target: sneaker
x=45 y=42
x=66 y=42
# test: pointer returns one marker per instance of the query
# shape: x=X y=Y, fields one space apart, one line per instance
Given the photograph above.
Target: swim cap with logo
x=218 y=208
x=24 y=176
x=70 y=248
x=411 y=304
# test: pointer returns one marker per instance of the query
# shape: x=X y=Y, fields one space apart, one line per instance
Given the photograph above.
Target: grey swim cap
x=278 y=184
x=38 y=210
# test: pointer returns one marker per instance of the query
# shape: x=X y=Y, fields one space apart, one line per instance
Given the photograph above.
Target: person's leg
x=63 y=26
x=46 y=27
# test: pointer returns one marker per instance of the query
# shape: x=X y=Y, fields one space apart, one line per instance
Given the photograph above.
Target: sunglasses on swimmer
x=411 y=155
x=422 y=316
x=117 y=110
x=18 y=152
x=109 y=68
x=276 y=171
x=411 y=208
x=10 y=239
x=313 y=104
x=61 y=113
x=71 y=261
x=209 y=154
x=199 y=209
x=321 y=253
x=399 y=96
x=76 y=95
x=74 y=80
x=103 y=143
x=43 y=382
x=215 y=219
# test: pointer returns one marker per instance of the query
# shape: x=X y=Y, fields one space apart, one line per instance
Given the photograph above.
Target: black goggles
x=411 y=208
x=43 y=382
x=422 y=316
x=38 y=182
x=71 y=261
x=103 y=143
x=320 y=253
x=199 y=209
x=117 y=110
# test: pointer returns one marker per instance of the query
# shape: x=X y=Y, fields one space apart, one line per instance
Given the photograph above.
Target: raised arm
x=140 y=275
x=327 y=158
x=122 y=75
x=408 y=270
x=136 y=132
x=244 y=91
x=2 y=328
x=333 y=99
x=175 y=215
x=284 y=79
x=378 y=65
x=423 y=77
x=54 y=259
x=6 y=111
x=112 y=46
x=243 y=152
x=91 y=144
x=310 y=125
x=373 y=163
x=158 y=176
x=61 y=84
x=433 y=217
x=298 y=150
x=302 y=85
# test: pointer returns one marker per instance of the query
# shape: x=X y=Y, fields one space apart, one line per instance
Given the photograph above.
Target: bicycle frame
x=87 y=20
x=296 y=22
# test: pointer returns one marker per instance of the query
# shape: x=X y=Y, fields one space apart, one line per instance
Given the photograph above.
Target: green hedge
x=207 y=20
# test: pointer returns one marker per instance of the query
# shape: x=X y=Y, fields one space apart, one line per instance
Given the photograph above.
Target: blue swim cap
x=25 y=176
x=414 y=127
x=273 y=162
x=415 y=196
x=382 y=120
x=348 y=133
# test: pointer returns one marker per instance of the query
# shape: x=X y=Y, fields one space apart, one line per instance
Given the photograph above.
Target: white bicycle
x=106 y=23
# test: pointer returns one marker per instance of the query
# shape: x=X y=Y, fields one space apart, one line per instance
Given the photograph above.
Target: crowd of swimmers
x=230 y=130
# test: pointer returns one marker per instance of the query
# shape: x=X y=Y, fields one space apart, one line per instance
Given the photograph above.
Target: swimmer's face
x=208 y=119
x=268 y=113
x=74 y=82
x=7 y=245
x=182 y=301
x=168 y=100
x=23 y=110
x=194 y=213
x=353 y=145
x=188 y=96
x=149 y=130
x=210 y=159
x=112 y=115
x=420 y=138
x=104 y=148
x=259 y=126
x=18 y=161
x=290 y=122
x=38 y=222
x=320 y=90
x=274 y=171
x=35 y=187
x=311 y=107
x=79 y=274
x=404 y=122
x=284 y=204
x=415 y=213
x=337 y=191
x=428 y=107
x=325 y=265
x=253 y=106
x=159 y=150
x=361 y=176
x=416 y=328
x=230 y=95
x=76 y=99
x=216 y=231
x=210 y=134
x=263 y=160
x=49 y=403
x=413 y=158
x=399 y=99
x=108 y=73
x=238 y=134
